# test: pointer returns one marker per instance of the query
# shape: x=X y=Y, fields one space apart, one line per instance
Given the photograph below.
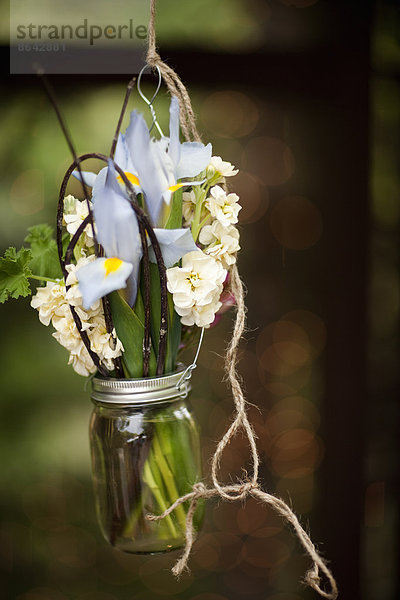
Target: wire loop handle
x=150 y=102
x=187 y=373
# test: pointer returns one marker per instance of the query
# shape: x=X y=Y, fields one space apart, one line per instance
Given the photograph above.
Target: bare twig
x=121 y=116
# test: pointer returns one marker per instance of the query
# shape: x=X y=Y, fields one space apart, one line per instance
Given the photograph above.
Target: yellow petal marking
x=132 y=178
x=177 y=186
x=112 y=264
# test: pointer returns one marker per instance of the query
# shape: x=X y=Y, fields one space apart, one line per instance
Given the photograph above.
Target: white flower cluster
x=221 y=237
x=75 y=212
x=53 y=304
x=218 y=169
x=196 y=288
x=197 y=285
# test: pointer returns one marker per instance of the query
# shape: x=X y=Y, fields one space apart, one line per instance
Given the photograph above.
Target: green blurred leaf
x=44 y=251
x=14 y=273
x=130 y=331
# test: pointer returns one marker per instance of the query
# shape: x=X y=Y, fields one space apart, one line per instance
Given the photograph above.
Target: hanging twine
x=172 y=81
x=249 y=487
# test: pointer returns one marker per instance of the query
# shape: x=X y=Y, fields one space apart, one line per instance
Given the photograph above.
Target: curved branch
x=143 y=222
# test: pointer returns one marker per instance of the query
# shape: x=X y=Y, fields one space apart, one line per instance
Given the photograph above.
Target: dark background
x=305 y=101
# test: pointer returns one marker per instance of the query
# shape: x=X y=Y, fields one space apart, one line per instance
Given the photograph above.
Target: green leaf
x=173 y=336
x=66 y=238
x=139 y=306
x=155 y=305
x=174 y=322
x=44 y=251
x=14 y=273
x=130 y=331
x=175 y=216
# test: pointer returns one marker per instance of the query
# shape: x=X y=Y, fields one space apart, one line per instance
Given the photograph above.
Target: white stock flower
x=218 y=169
x=196 y=288
x=49 y=301
x=188 y=207
x=223 y=206
x=81 y=362
x=74 y=295
x=221 y=242
x=75 y=212
x=53 y=304
x=102 y=342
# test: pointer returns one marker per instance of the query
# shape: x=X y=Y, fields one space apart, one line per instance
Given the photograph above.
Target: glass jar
x=145 y=454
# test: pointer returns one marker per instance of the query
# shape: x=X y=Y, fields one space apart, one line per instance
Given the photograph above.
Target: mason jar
x=145 y=454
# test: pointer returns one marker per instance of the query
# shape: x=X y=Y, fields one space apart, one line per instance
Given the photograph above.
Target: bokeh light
x=264 y=552
x=253 y=198
x=229 y=114
x=291 y=412
x=296 y=222
x=283 y=347
x=218 y=552
x=295 y=453
x=270 y=159
x=313 y=325
x=255 y=517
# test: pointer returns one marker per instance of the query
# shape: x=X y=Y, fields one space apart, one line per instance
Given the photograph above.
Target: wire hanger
x=149 y=103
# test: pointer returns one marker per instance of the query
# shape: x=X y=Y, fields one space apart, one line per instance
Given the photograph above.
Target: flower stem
x=201 y=196
x=41 y=278
x=149 y=477
x=169 y=481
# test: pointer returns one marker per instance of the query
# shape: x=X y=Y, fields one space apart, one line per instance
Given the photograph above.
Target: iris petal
x=147 y=159
x=174 y=243
x=193 y=160
x=117 y=226
x=88 y=177
x=96 y=279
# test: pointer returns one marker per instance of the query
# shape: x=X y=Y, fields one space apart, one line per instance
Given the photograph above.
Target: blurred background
x=303 y=97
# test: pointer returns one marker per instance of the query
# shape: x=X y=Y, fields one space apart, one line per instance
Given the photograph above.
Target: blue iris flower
x=155 y=168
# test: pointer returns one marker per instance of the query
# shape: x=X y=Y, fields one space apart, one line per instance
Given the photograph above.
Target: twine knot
x=312 y=577
x=248 y=486
x=199 y=490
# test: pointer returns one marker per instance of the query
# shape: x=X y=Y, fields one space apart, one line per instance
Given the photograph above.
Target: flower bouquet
x=137 y=267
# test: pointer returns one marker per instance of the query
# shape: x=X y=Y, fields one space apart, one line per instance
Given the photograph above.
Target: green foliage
x=130 y=330
x=14 y=273
x=44 y=251
x=173 y=336
x=155 y=304
x=174 y=322
x=175 y=216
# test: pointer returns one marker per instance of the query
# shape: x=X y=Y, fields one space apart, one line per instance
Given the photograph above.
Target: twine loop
x=249 y=487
